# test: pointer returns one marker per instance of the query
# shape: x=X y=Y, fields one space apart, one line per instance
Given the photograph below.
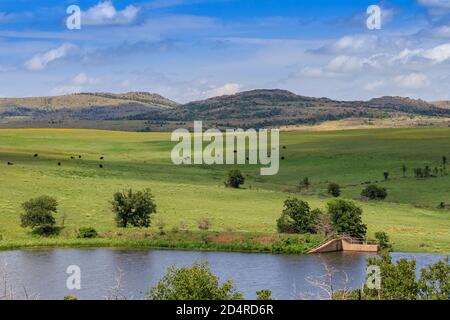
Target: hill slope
x=259 y=108
x=88 y=106
x=256 y=108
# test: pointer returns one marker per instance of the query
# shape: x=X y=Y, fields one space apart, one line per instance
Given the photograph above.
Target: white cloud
x=438 y=54
x=412 y=81
x=64 y=90
x=83 y=79
x=345 y=64
x=375 y=85
x=104 y=13
x=355 y=43
x=227 y=89
x=41 y=60
x=314 y=72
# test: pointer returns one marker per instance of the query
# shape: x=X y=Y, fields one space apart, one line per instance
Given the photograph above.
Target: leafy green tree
x=374 y=192
x=334 y=189
x=39 y=214
x=434 y=282
x=398 y=280
x=383 y=241
x=133 y=208
x=264 y=295
x=193 y=283
x=297 y=217
x=346 y=218
x=235 y=179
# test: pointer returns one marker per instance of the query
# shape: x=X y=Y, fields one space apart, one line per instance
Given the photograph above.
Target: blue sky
x=194 y=49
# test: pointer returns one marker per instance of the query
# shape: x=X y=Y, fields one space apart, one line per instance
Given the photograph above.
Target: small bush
x=70 y=298
x=304 y=184
x=334 y=189
x=87 y=233
x=235 y=179
x=204 y=224
x=383 y=241
x=264 y=295
x=46 y=231
x=161 y=225
x=374 y=192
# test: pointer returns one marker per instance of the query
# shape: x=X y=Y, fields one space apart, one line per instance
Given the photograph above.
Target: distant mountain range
x=256 y=108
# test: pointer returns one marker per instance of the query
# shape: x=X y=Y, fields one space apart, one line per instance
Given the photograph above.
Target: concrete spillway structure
x=345 y=244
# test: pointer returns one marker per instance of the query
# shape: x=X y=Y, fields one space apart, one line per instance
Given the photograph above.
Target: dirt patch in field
x=225 y=238
x=265 y=239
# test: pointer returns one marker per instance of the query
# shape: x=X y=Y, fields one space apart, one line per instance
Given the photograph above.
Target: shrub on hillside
x=87 y=233
x=235 y=179
x=383 y=241
x=334 y=189
x=204 y=224
x=304 y=184
x=374 y=192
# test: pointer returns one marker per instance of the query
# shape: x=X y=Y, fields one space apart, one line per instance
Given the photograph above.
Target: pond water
x=43 y=272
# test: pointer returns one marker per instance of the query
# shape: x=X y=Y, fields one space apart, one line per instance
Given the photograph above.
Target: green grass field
x=185 y=194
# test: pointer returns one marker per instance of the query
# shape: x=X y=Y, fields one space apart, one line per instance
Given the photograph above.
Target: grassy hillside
x=186 y=194
x=86 y=100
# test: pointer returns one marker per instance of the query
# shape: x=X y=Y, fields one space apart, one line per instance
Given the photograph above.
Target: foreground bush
x=133 y=208
x=399 y=281
x=374 y=192
x=87 y=233
x=39 y=215
x=264 y=295
x=193 y=283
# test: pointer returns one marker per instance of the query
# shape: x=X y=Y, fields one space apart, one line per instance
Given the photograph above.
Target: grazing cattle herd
x=9 y=163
